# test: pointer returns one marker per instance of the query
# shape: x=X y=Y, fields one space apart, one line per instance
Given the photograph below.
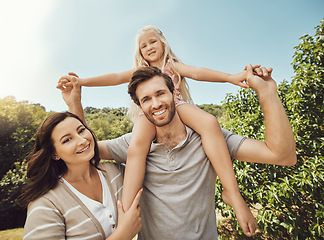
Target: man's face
x=156 y=101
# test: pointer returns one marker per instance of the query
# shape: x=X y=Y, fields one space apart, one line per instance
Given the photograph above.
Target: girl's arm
x=142 y=136
x=110 y=79
x=209 y=75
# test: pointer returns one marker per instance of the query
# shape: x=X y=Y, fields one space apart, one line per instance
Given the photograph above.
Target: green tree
x=290 y=198
x=215 y=110
x=108 y=123
x=18 y=124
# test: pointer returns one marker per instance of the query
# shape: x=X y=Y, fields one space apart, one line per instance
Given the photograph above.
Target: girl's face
x=151 y=47
x=73 y=142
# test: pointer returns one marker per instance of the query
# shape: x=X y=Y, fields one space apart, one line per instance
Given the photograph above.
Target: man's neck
x=173 y=133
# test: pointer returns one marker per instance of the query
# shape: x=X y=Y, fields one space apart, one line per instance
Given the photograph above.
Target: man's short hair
x=142 y=75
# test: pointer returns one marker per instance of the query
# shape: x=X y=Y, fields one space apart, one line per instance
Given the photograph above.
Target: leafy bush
x=12 y=216
x=291 y=198
x=18 y=123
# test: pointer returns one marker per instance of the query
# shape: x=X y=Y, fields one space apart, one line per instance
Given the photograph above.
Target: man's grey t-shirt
x=179 y=187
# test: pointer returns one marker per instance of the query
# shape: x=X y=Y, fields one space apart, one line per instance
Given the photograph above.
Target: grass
x=17 y=234
x=12 y=234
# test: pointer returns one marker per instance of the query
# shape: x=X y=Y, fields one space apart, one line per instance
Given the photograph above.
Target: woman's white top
x=104 y=212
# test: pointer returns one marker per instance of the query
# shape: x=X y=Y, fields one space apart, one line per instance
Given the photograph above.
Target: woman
x=70 y=195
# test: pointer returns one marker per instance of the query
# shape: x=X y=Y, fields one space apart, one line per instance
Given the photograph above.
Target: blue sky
x=42 y=40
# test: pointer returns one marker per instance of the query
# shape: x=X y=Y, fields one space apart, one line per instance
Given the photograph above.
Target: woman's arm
x=44 y=221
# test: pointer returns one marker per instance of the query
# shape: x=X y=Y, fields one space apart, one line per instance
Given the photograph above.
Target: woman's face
x=73 y=142
x=151 y=47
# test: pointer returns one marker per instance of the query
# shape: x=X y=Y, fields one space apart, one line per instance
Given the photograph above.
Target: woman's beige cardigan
x=59 y=214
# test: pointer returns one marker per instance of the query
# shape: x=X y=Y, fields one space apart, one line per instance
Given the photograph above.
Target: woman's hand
x=70 y=88
x=129 y=222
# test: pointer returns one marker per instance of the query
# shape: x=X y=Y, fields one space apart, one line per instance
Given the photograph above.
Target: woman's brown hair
x=43 y=171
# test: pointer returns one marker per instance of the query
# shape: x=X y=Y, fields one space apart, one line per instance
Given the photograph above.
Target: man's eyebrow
x=161 y=90
x=143 y=98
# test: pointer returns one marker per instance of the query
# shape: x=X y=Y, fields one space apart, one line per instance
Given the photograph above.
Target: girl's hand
x=240 y=79
x=129 y=222
x=66 y=79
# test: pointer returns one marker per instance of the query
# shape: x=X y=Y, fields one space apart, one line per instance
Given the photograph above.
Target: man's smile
x=159 y=112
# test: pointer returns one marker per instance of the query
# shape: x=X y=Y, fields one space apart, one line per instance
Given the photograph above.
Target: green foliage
x=18 y=123
x=11 y=185
x=108 y=123
x=215 y=110
x=291 y=198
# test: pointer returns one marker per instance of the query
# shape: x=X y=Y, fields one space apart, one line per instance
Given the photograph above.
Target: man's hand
x=260 y=80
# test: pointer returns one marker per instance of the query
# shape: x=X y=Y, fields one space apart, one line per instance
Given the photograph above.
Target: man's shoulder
x=123 y=138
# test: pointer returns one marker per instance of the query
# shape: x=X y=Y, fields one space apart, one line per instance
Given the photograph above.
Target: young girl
x=70 y=195
x=152 y=49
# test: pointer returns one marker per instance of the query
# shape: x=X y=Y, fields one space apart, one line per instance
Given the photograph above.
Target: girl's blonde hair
x=168 y=55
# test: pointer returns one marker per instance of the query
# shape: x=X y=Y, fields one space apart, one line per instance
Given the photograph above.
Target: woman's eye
x=66 y=140
x=81 y=130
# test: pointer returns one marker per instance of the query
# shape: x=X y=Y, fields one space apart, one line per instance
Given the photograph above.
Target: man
x=179 y=184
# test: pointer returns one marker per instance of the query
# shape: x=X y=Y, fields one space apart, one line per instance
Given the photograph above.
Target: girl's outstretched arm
x=110 y=79
x=142 y=136
x=207 y=126
x=209 y=75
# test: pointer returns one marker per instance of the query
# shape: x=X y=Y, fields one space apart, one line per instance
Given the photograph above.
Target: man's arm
x=72 y=97
x=279 y=145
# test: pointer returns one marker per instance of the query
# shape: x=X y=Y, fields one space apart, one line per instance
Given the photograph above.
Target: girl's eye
x=144 y=46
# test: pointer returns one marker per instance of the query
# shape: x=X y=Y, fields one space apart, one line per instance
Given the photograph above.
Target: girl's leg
x=142 y=136
x=216 y=149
